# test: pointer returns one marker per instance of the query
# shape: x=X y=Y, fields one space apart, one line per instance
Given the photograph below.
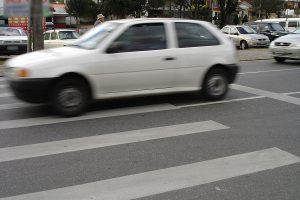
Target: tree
x=77 y=8
x=266 y=7
x=227 y=7
x=236 y=20
x=245 y=19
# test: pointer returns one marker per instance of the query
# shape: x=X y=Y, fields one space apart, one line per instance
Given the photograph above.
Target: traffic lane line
x=170 y=179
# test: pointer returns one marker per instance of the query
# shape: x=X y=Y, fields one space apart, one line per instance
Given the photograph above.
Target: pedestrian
x=100 y=19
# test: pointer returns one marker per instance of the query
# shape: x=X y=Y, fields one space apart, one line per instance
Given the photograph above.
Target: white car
x=286 y=47
x=13 y=41
x=245 y=37
x=59 y=38
x=127 y=58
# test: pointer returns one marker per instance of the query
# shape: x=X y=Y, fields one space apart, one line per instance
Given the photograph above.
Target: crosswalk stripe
x=57 y=147
x=3 y=86
x=169 y=179
x=14 y=106
x=272 y=95
x=21 y=123
x=6 y=94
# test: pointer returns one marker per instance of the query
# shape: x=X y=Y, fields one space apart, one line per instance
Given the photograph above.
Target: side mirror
x=115 y=47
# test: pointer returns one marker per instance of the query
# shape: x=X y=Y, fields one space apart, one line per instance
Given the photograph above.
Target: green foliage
x=227 y=7
x=236 y=19
x=266 y=7
x=245 y=19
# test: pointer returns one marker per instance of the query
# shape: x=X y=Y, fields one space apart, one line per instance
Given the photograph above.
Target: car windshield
x=245 y=30
x=95 y=36
x=276 y=27
x=12 y=32
x=297 y=31
x=66 y=35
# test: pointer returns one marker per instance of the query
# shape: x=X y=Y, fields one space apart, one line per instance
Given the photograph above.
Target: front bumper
x=259 y=43
x=286 y=52
x=13 y=49
x=31 y=90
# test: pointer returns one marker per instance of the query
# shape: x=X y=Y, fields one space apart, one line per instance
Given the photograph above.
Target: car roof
x=154 y=20
x=61 y=29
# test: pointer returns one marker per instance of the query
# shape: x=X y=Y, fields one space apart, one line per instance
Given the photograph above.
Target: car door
x=198 y=49
x=46 y=40
x=138 y=59
x=235 y=36
x=53 y=40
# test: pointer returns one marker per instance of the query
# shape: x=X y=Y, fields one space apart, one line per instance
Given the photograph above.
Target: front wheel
x=69 y=97
x=244 y=45
x=280 y=60
x=215 y=85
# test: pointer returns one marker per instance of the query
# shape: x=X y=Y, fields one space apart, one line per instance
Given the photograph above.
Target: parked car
x=271 y=29
x=59 y=38
x=127 y=58
x=244 y=36
x=13 y=41
x=286 y=47
x=289 y=24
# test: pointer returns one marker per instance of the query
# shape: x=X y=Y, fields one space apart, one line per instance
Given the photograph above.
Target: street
x=176 y=147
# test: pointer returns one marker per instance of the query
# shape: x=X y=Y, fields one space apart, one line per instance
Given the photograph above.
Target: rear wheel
x=69 y=97
x=215 y=85
x=280 y=60
x=244 y=45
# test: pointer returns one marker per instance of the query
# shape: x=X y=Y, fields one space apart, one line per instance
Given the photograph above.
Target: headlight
x=252 y=39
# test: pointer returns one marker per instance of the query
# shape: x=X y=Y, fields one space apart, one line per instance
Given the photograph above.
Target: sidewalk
x=244 y=55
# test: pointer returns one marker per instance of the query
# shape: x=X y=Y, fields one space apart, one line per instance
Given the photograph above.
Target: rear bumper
x=31 y=90
x=13 y=49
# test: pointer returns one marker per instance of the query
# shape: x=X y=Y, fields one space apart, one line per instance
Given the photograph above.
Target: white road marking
x=18 y=123
x=265 y=93
x=6 y=94
x=221 y=102
x=3 y=86
x=15 y=105
x=78 y=144
x=291 y=93
x=169 y=179
x=267 y=71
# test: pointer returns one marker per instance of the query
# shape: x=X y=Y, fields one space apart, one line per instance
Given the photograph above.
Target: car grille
x=282 y=44
x=261 y=39
x=12 y=42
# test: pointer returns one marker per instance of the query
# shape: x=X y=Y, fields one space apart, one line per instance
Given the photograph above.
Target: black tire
x=215 y=85
x=244 y=45
x=280 y=60
x=69 y=97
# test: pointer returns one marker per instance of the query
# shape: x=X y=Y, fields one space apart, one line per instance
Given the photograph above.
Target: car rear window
x=11 y=32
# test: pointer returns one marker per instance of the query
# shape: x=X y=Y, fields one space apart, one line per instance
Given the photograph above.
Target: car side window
x=233 y=31
x=292 y=24
x=264 y=27
x=54 y=36
x=46 y=36
x=225 y=30
x=142 y=37
x=194 y=35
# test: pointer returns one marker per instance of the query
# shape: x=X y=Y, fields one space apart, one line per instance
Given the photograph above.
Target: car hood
x=291 y=38
x=44 y=56
x=12 y=38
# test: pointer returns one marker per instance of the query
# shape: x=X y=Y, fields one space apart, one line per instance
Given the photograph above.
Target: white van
x=290 y=24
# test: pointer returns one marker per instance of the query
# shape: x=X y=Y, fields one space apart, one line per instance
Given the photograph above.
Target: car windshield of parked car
x=95 y=36
x=297 y=31
x=11 y=32
x=245 y=30
x=67 y=35
x=276 y=27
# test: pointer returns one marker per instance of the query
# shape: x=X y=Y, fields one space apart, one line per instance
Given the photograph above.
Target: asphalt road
x=172 y=147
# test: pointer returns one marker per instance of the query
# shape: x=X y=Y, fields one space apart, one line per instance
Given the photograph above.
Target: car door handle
x=169 y=58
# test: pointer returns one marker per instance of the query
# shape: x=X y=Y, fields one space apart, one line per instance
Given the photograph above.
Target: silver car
x=286 y=47
x=245 y=37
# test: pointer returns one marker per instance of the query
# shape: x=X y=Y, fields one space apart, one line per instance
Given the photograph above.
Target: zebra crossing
x=141 y=184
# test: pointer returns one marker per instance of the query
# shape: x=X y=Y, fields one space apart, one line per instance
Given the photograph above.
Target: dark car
x=271 y=29
x=13 y=41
